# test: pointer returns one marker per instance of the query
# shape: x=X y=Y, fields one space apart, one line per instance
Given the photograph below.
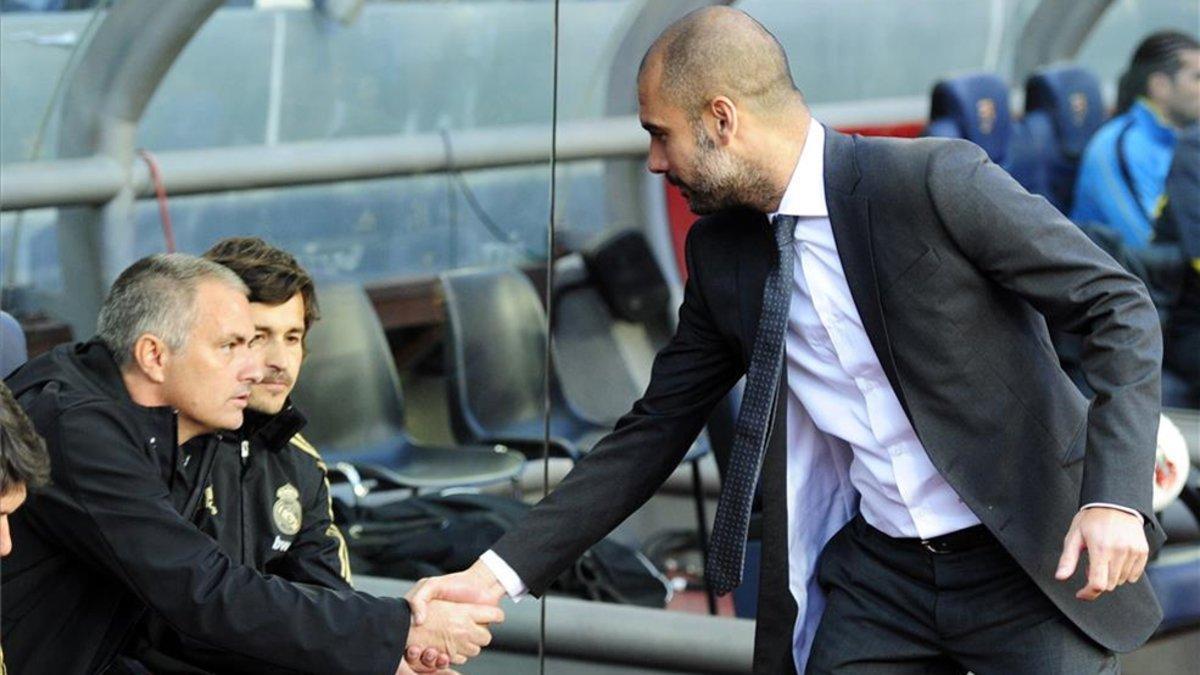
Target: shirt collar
x=805 y=193
x=1147 y=116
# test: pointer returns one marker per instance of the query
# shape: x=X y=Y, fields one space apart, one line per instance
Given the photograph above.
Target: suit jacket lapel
x=850 y=217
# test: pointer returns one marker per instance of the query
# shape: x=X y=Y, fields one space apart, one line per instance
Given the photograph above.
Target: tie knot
x=785 y=230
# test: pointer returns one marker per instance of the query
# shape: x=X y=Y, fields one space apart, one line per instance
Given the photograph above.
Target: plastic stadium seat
x=975 y=107
x=350 y=392
x=496 y=344
x=1175 y=576
x=1063 y=108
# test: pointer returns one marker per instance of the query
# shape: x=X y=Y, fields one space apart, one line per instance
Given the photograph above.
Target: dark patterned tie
x=727 y=552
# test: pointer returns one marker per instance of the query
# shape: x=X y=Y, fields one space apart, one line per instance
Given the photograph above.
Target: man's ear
x=1158 y=86
x=725 y=114
x=150 y=356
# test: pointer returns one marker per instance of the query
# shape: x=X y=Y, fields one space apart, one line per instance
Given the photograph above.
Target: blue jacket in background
x=1102 y=192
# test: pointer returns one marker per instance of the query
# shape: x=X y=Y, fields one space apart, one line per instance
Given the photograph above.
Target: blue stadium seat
x=975 y=107
x=1063 y=109
x=1175 y=576
x=12 y=344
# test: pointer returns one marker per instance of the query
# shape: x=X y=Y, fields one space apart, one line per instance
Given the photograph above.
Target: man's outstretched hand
x=476 y=586
x=1116 y=546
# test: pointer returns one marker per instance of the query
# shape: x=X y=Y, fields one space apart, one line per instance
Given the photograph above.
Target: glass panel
x=397 y=68
x=377 y=378
x=40 y=46
x=851 y=50
x=615 y=296
x=382 y=230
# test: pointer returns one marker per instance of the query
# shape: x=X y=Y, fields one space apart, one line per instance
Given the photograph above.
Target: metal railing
x=93 y=181
x=608 y=634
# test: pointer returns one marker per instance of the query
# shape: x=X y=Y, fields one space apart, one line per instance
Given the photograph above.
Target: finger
x=429 y=657
x=1127 y=568
x=478 y=635
x=1116 y=565
x=443 y=660
x=1139 y=567
x=486 y=614
x=418 y=600
x=1137 y=562
x=1072 y=545
x=458 y=659
x=1097 y=578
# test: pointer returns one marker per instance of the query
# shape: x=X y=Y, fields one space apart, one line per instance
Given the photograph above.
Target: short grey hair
x=157 y=295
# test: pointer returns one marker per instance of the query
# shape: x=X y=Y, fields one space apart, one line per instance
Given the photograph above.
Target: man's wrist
x=506 y=581
x=1104 y=505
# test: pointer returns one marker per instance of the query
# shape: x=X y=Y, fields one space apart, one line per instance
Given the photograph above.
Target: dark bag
x=430 y=535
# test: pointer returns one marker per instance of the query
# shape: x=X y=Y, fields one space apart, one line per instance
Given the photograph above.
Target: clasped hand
x=451 y=615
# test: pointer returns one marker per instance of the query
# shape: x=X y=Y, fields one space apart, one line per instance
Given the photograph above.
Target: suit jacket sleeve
x=1024 y=244
x=690 y=375
x=318 y=554
x=110 y=507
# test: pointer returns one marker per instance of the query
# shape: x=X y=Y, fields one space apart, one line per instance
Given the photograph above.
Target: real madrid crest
x=287 y=512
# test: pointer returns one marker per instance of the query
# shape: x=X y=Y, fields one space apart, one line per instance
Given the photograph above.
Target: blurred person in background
x=1124 y=168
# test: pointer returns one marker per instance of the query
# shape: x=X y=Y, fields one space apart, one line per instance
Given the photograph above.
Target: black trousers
x=893 y=607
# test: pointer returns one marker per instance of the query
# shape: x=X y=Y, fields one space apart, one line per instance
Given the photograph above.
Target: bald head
x=720 y=51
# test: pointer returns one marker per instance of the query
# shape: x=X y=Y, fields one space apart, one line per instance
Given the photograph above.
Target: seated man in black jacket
x=130 y=421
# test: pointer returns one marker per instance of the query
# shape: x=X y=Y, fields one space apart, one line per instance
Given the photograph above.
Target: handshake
x=450 y=619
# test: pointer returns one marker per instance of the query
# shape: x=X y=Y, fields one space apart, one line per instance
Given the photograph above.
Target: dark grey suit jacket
x=955 y=271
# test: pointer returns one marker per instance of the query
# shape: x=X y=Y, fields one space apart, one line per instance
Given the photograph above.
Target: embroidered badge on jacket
x=287 y=512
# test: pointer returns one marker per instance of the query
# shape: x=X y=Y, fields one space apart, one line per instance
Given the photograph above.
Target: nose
x=657 y=161
x=252 y=369
x=272 y=356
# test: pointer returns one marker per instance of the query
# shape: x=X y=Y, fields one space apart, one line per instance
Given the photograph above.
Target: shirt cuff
x=1126 y=509
x=509 y=579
